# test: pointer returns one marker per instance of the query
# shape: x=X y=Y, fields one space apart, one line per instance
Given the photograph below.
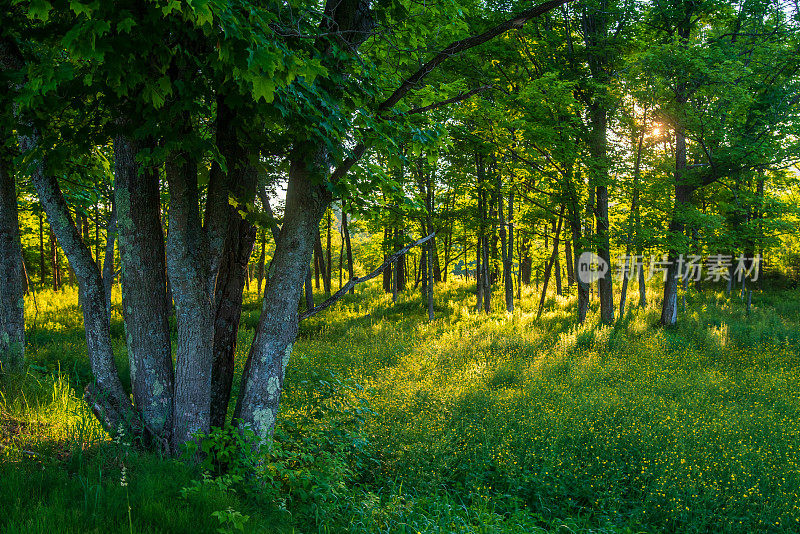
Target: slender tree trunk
x=632 y=224
x=396 y=267
x=341 y=251
x=557 y=265
x=431 y=247
x=12 y=282
x=317 y=268
x=387 y=273
x=478 y=273
x=575 y=226
x=108 y=260
x=105 y=395
x=54 y=258
x=42 y=261
x=261 y=260
x=141 y=245
x=346 y=230
x=309 y=291
x=328 y=254
x=400 y=264
x=568 y=257
x=510 y=254
x=549 y=265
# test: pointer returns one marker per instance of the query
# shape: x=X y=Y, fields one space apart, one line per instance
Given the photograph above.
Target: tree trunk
x=309 y=290
x=264 y=372
x=431 y=247
x=261 y=259
x=108 y=261
x=54 y=268
x=12 y=300
x=568 y=257
x=141 y=246
x=328 y=254
x=605 y=283
x=387 y=273
x=106 y=396
x=400 y=264
x=238 y=247
x=326 y=279
x=188 y=263
x=557 y=265
x=42 y=261
x=549 y=265
x=346 y=230
x=633 y=222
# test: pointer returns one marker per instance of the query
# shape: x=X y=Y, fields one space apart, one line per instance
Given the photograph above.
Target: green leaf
x=264 y=87
x=125 y=25
x=40 y=9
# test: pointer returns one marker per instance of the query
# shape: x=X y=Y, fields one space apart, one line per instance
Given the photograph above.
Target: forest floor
x=467 y=424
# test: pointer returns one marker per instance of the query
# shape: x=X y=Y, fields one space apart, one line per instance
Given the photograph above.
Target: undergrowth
x=471 y=423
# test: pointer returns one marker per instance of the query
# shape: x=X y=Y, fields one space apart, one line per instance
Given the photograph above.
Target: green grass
x=472 y=423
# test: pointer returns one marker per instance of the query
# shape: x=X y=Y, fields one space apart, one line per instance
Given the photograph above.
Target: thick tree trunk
x=605 y=283
x=141 y=246
x=230 y=281
x=262 y=382
x=188 y=264
x=12 y=282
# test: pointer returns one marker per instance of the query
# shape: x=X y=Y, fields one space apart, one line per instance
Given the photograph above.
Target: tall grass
x=471 y=423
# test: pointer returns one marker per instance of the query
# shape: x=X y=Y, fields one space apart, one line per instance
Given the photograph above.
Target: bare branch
x=352 y=282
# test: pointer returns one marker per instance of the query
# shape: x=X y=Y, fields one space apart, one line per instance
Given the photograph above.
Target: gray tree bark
x=106 y=396
x=144 y=284
x=12 y=281
x=264 y=372
x=108 y=260
x=189 y=272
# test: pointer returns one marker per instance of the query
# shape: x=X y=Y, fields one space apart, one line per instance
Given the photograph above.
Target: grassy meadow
x=472 y=423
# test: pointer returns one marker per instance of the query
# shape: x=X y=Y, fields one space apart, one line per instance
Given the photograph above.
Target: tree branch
x=458 y=98
x=353 y=281
x=516 y=22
